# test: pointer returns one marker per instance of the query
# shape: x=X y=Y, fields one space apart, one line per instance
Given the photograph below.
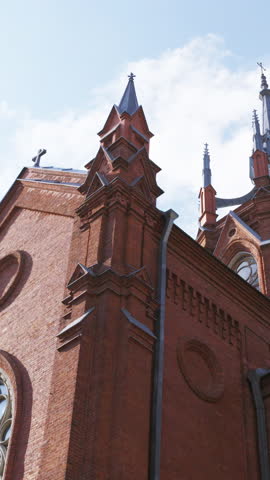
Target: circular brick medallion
x=10 y=273
x=232 y=232
x=201 y=369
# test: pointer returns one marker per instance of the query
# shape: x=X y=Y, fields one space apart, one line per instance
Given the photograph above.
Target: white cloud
x=190 y=95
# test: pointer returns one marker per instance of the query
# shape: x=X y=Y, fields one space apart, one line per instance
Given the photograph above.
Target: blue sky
x=65 y=62
x=54 y=51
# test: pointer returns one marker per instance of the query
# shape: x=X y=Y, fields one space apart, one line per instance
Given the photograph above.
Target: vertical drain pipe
x=255 y=377
x=156 y=413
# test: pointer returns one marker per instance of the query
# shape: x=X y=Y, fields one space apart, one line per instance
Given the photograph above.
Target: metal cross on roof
x=131 y=76
x=36 y=159
x=261 y=67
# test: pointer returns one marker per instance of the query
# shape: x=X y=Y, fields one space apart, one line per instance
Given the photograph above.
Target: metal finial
x=261 y=67
x=264 y=83
x=131 y=76
x=206 y=150
x=36 y=159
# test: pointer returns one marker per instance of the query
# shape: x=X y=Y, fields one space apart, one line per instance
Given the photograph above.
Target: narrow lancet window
x=244 y=264
x=5 y=421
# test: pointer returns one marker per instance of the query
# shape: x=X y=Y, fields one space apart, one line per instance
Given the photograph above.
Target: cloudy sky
x=65 y=62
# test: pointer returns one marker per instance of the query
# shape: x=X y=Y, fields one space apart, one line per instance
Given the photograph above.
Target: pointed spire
x=265 y=97
x=264 y=83
x=129 y=102
x=207 y=194
x=257 y=138
x=206 y=167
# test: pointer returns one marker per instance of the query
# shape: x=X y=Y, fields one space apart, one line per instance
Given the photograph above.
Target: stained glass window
x=5 y=422
x=245 y=265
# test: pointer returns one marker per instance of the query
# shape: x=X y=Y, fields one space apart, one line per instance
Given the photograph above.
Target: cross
x=131 y=76
x=36 y=159
x=261 y=67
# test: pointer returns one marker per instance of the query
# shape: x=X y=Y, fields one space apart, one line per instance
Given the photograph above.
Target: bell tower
x=109 y=328
x=241 y=239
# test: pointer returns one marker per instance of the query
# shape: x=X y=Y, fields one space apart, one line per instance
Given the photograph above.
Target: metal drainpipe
x=255 y=377
x=156 y=413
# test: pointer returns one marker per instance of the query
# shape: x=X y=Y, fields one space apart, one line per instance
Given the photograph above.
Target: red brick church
x=128 y=349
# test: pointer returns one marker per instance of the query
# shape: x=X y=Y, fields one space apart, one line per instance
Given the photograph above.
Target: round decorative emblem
x=201 y=369
x=232 y=232
x=10 y=272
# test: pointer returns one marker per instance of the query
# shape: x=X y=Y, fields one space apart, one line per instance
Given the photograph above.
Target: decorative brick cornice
x=218 y=275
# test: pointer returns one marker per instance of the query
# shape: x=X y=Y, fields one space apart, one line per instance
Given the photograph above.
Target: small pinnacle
x=255 y=116
x=206 y=166
x=206 y=150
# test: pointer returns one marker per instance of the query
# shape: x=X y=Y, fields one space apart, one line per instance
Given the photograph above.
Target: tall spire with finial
x=265 y=97
x=207 y=195
x=129 y=102
x=257 y=138
x=264 y=83
x=206 y=167
x=124 y=150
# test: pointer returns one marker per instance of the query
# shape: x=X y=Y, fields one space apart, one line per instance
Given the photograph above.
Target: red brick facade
x=80 y=309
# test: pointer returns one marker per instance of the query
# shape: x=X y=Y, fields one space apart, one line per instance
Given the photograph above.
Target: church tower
x=241 y=239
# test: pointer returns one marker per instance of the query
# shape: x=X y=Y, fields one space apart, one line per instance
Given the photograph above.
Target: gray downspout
x=254 y=377
x=156 y=413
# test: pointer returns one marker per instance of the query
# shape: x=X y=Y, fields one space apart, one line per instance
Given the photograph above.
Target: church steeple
x=124 y=150
x=129 y=102
x=207 y=195
x=206 y=167
x=259 y=174
x=265 y=97
x=261 y=137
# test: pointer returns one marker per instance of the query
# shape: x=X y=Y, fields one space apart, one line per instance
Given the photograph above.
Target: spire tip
x=264 y=84
x=129 y=102
x=206 y=166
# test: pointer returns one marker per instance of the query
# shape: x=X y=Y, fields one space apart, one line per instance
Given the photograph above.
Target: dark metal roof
x=229 y=202
x=129 y=102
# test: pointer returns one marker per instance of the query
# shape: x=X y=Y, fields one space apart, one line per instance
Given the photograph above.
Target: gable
x=235 y=233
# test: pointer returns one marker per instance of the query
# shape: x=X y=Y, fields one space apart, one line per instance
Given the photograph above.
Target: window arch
x=12 y=375
x=245 y=265
x=6 y=416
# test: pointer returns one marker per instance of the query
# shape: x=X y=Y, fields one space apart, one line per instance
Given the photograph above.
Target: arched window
x=5 y=420
x=244 y=264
